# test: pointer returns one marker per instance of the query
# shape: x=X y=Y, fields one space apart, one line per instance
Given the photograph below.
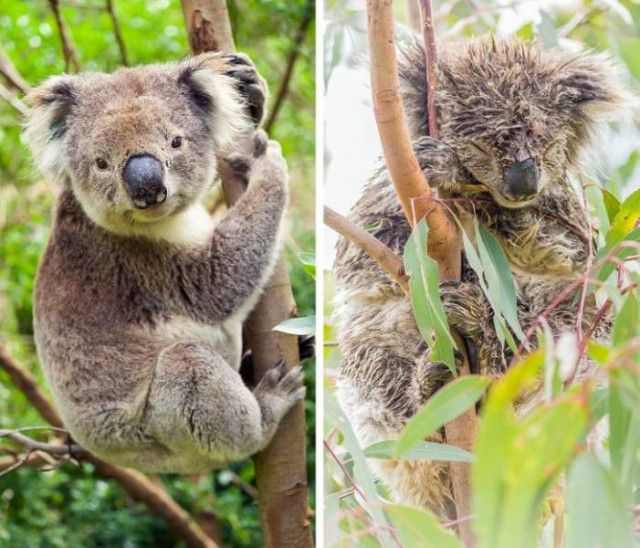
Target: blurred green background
x=71 y=506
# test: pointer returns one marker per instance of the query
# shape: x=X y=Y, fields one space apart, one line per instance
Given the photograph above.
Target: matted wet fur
x=500 y=104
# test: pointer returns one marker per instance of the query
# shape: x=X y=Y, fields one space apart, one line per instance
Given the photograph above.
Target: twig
x=413 y=15
x=33 y=445
x=13 y=100
x=301 y=32
x=378 y=251
x=11 y=74
x=430 y=58
x=68 y=50
x=116 y=31
x=136 y=484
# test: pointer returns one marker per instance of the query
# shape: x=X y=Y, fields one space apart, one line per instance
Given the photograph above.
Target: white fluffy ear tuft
x=215 y=94
x=46 y=124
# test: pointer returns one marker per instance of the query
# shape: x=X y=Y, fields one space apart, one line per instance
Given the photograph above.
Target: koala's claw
x=282 y=382
x=248 y=83
x=260 y=143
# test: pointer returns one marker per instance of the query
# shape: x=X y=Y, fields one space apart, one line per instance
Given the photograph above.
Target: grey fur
x=498 y=102
x=138 y=315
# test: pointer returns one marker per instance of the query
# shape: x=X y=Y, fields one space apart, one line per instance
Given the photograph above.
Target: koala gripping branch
x=281 y=467
x=418 y=202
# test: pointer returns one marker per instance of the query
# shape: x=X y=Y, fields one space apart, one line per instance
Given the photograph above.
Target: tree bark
x=417 y=200
x=281 y=467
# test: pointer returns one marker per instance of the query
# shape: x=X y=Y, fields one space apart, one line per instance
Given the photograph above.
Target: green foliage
x=71 y=506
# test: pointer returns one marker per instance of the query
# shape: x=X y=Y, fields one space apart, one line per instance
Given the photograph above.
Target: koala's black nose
x=144 y=176
x=521 y=180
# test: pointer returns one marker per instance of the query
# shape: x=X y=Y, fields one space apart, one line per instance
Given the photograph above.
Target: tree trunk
x=445 y=244
x=281 y=467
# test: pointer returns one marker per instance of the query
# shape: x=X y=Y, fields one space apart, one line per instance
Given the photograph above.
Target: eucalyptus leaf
x=448 y=403
x=424 y=450
x=298 y=326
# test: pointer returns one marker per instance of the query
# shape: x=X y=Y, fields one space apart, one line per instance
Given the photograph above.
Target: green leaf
x=423 y=450
x=448 y=403
x=623 y=253
x=597 y=512
x=519 y=459
x=425 y=297
x=298 y=326
x=361 y=472
x=500 y=284
x=308 y=261
x=626 y=218
x=417 y=527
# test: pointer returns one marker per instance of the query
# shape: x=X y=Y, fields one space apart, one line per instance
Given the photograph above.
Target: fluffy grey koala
x=140 y=298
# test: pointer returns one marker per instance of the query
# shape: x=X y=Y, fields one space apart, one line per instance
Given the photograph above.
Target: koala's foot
x=278 y=391
x=432 y=375
x=306 y=348
x=249 y=83
x=469 y=313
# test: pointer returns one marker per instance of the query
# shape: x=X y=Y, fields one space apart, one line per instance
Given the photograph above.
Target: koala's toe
x=292 y=380
x=237 y=59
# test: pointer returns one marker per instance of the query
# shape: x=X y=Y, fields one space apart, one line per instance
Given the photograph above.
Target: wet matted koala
x=513 y=120
x=140 y=298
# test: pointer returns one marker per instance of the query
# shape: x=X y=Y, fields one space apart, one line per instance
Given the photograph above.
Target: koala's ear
x=214 y=95
x=592 y=84
x=52 y=103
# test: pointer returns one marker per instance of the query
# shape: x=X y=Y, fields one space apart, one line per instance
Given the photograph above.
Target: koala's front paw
x=433 y=375
x=280 y=389
x=266 y=165
x=469 y=313
x=249 y=83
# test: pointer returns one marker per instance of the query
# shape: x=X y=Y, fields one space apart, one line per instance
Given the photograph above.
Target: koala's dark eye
x=101 y=163
x=176 y=142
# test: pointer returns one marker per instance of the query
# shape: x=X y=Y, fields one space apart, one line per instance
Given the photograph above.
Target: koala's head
x=519 y=117
x=138 y=145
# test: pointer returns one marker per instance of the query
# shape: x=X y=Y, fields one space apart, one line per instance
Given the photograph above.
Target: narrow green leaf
x=608 y=268
x=423 y=450
x=417 y=527
x=425 y=297
x=500 y=282
x=449 y=402
x=626 y=218
x=597 y=512
x=298 y=326
x=308 y=261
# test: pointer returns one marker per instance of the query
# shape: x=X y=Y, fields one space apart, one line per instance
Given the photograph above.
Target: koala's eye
x=176 y=142
x=101 y=163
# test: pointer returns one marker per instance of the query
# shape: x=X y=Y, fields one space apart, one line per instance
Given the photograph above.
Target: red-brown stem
x=431 y=56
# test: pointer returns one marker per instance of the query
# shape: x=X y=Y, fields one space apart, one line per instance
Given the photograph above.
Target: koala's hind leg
x=198 y=404
x=379 y=391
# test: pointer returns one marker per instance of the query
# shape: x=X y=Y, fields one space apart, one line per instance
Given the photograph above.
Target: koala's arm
x=232 y=269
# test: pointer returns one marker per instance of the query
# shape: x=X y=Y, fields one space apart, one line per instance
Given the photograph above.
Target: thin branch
x=33 y=445
x=431 y=55
x=13 y=100
x=301 y=32
x=11 y=74
x=378 y=251
x=68 y=49
x=116 y=31
x=136 y=484
x=413 y=15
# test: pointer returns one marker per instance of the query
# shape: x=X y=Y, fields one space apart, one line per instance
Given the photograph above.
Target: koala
x=513 y=120
x=140 y=297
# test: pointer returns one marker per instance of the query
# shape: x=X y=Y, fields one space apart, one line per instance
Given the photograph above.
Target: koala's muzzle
x=144 y=176
x=521 y=181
